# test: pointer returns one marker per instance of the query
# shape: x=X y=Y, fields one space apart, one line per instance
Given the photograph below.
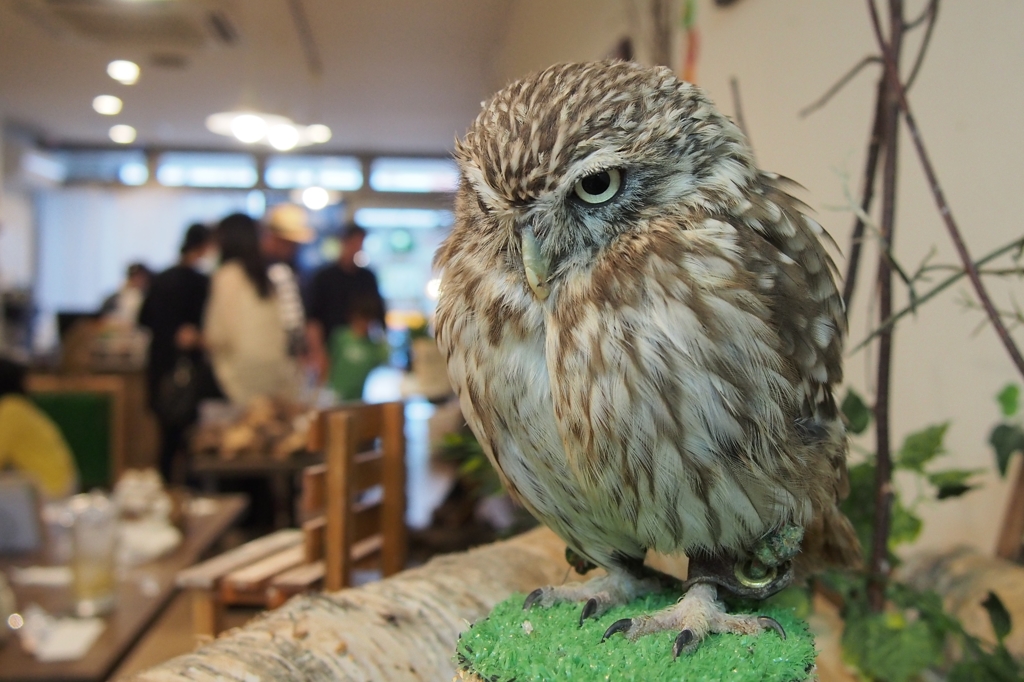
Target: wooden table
x=141 y=595
x=280 y=474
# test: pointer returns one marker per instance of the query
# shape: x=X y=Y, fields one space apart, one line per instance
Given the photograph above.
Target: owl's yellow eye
x=599 y=187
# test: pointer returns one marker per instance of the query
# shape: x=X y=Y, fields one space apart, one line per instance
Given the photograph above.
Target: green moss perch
x=547 y=644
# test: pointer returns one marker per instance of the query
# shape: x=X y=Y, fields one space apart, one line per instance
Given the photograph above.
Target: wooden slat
x=295 y=581
x=265 y=569
x=314 y=484
x=367 y=470
x=248 y=585
x=393 y=510
x=206 y=613
x=206 y=574
x=366 y=548
x=366 y=520
x=316 y=436
x=300 y=577
x=313 y=532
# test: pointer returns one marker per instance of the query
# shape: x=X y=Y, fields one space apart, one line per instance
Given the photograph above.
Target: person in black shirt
x=331 y=295
x=173 y=312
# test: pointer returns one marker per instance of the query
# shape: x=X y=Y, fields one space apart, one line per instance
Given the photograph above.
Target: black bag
x=178 y=393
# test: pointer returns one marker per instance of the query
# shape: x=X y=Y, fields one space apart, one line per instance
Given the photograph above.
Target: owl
x=644 y=333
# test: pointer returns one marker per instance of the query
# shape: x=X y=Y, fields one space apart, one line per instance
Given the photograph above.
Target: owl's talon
x=589 y=609
x=533 y=598
x=769 y=623
x=684 y=643
x=621 y=625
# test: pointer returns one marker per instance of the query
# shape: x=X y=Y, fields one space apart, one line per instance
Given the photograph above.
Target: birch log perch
x=401 y=628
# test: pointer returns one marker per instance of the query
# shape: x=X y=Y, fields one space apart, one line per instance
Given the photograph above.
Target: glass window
x=343 y=173
x=414 y=175
x=191 y=169
x=126 y=166
x=405 y=218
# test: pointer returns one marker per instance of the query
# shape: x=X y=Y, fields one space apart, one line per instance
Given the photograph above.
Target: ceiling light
x=249 y=128
x=108 y=105
x=283 y=137
x=315 y=198
x=318 y=133
x=279 y=132
x=123 y=71
x=122 y=134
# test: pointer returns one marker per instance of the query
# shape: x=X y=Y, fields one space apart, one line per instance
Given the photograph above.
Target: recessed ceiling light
x=315 y=198
x=283 y=137
x=279 y=132
x=108 y=105
x=123 y=71
x=122 y=134
x=318 y=133
x=249 y=128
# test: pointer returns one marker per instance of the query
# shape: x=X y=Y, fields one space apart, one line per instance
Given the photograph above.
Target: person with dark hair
x=30 y=443
x=243 y=329
x=178 y=373
x=285 y=229
x=333 y=293
x=124 y=304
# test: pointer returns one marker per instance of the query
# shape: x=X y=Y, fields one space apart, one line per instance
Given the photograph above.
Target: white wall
x=88 y=236
x=17 y=253
x=969 y=106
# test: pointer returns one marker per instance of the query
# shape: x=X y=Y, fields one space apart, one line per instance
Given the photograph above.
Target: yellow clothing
x=31 y=444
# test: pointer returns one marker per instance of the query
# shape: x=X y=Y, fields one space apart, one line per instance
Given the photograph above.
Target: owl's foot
x=696 y=615
x=597 y=594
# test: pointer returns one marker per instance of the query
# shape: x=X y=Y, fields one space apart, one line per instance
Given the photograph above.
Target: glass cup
x=95 y=544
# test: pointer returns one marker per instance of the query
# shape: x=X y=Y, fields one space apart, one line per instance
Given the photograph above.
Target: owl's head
x=558 y=165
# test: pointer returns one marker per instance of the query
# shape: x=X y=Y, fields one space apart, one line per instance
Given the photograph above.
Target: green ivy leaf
x=1009 y=399
x=859 y=505
x=952 y=482
x=1006 y=439
x=858 y=415
x=1000 y=617
x=906 y=526
x=921 y=447
x=886 y=646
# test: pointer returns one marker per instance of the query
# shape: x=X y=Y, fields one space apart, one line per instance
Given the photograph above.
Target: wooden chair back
x=354 y=510
x=360 y=491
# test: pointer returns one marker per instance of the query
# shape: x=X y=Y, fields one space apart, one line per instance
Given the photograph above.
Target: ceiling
x=386 y=76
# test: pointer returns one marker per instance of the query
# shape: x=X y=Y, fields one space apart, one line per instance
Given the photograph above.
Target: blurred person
x=123 y=306
x=285 y=229
x=173 y=312
x=242 y=328
x=30 y=443
x=333 y=294
x=353 y=353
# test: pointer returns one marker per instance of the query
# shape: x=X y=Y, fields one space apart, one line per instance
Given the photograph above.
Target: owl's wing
x=798 y=278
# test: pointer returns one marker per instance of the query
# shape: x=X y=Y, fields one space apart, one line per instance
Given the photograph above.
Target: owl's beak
x=535 y=264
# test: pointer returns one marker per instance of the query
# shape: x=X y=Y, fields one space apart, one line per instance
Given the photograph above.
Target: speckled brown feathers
x=643 y=328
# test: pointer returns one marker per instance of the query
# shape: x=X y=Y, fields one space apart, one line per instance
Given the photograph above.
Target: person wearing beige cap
x=284 y=229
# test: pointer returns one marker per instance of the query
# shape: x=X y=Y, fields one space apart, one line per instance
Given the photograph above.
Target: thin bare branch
x=925 y=14
x=936 y=290
x=868 y=190
x=931 y=13
x=839 y=85
x=940 y=197
x=880 y=567
x=737 y=105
